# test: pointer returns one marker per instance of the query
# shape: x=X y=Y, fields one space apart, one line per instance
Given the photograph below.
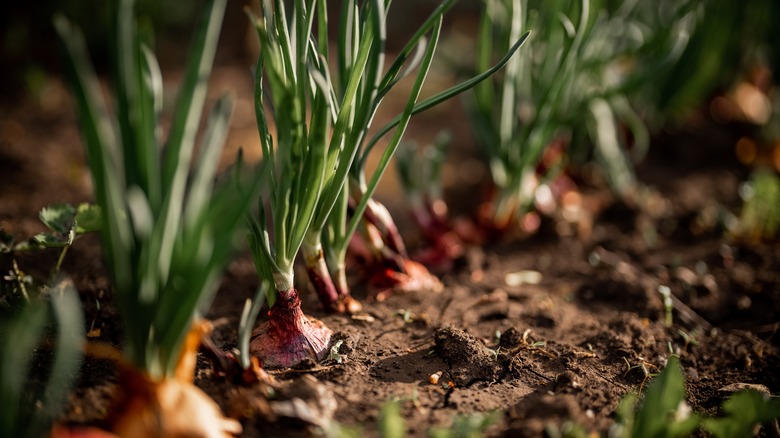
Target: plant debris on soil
x=566 y=345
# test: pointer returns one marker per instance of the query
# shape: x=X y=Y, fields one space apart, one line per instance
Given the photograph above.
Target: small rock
x=523 y=277
x=736 y=387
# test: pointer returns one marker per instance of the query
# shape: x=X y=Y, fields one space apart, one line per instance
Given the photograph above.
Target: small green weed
x=664 y=413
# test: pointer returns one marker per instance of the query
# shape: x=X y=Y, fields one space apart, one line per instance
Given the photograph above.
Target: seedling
x=666 y=293
x=405 y=314
x=688 y=338
x=167 y=229
x=760 y=217
x=65 y=222
x=391 y=424
x=642 y=365
x=19 y=281
x=334 y=352
x=663 y=412
x=743 y=412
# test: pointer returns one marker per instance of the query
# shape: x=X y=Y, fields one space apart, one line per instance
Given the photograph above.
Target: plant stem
x=319 y=275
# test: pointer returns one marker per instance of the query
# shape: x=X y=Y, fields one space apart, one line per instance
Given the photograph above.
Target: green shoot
x=760 y=217
x=334 y=355
x=663 y=411
x=743 y=412
x=65 y=222
x=666 y=294
x=391 y=423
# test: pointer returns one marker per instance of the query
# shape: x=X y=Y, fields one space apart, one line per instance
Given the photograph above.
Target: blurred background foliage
x=679 y=58
x=722 y=38
x=30 y=52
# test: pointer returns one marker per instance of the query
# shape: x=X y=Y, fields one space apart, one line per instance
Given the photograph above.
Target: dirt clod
x=470 y=360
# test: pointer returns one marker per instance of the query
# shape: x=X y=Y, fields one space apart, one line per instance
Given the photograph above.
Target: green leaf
x=20 y=336
x=68 y=222
x=211 y=148
x=247 y=322
x=192 y=95
x=743 y=412
x=663 y=411
x=58 y=217
x=88 y=218
x=391 y=424
x=48 y=240
x=66 y=312
x=445 y=95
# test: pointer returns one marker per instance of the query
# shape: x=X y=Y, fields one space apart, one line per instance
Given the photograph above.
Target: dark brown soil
x=565 y=349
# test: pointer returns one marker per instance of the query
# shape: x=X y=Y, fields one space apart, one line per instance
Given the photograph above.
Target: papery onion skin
x=289 y=337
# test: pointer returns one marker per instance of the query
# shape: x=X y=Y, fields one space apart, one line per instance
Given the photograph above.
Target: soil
x=565 y=348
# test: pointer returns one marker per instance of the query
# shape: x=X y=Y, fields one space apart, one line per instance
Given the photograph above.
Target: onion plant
x=538 y=85
x=570 y=85
x=322 y=120
x=300 y=109
x=362 y=26
x=688 y=49
x=167 y=229
x=419 y=171
x=355 y=207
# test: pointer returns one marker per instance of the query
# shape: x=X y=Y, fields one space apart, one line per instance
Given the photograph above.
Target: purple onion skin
x=323 y=284
x=334 y=296
x=289 y=337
